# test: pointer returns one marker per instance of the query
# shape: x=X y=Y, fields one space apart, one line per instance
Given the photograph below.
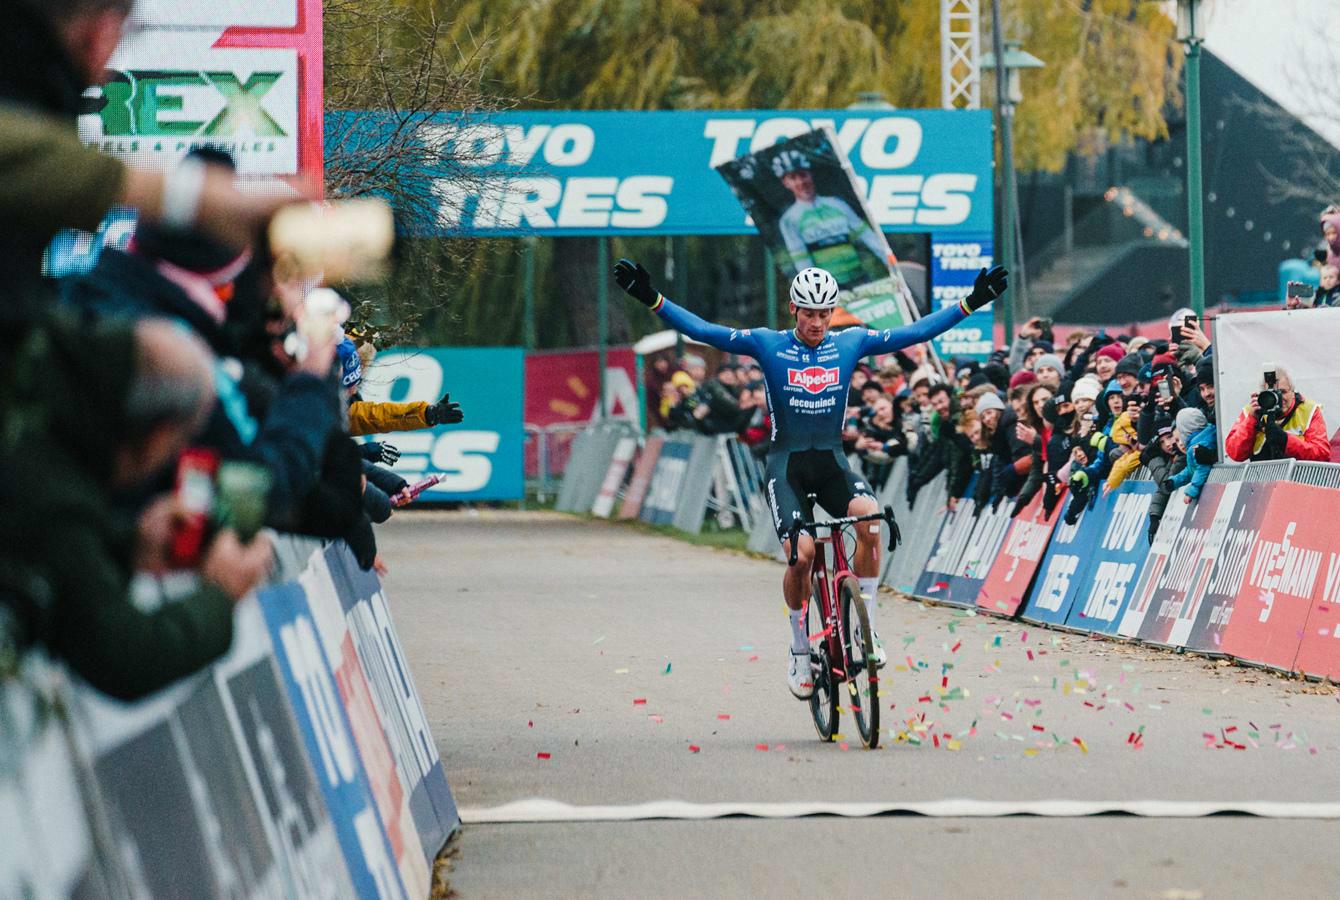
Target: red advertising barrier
x=1249 y=570
x=1319 y=652
x=563 y=386
x=1291 y=561
x=1007 y=583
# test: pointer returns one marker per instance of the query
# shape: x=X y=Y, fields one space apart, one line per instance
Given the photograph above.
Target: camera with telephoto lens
x=1270 y=401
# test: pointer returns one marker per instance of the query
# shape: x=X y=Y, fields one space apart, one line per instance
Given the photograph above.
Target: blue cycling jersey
x=807 y=386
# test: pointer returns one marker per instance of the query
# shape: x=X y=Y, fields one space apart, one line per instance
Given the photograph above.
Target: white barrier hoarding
x=1302 y=341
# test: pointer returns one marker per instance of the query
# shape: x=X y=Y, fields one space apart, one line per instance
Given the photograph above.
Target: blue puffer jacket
x=1193 y=474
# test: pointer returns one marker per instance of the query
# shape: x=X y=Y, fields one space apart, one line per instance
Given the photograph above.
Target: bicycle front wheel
x=824 y=700
x=862 y=673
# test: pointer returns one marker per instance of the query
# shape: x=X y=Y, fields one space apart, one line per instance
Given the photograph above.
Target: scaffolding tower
x=960 y=54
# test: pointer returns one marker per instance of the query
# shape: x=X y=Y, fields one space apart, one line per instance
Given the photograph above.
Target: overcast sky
x=1290 y=49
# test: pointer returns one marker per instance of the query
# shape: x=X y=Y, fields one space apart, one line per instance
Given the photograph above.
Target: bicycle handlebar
x=895 y=535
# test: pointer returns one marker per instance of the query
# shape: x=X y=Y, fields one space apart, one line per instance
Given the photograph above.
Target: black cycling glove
x=636 y=282
x=375 y=451
x=443 y=412
x=987 y=287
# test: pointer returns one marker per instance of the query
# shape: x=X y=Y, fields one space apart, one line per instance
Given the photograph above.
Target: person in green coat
x=96 y=415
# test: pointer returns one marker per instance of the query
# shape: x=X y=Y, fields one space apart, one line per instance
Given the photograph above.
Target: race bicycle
x=835 y=598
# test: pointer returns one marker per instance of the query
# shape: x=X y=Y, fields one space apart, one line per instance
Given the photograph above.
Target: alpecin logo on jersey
x=815 y=379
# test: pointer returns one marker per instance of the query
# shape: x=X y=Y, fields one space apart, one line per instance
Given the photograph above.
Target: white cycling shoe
x=858 y=646
x=800 y=677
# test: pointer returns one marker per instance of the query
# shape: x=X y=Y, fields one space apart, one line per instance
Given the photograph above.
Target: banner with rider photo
x=1301 y=341
x=1189 y=602
x=803 y=197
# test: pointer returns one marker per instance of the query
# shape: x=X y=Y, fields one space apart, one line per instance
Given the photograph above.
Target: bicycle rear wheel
x=862 y=677
x=824 y=700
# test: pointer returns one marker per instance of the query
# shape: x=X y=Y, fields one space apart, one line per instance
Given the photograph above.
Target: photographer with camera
x=1279 y=423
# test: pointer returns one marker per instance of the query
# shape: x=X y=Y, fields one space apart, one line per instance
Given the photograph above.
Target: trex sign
x=240 y=75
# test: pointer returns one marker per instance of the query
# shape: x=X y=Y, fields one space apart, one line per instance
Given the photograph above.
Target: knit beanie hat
x=1086 y=389
x=1049 y=360
x=1205 y=370
x=351 y=364
x=1113 y=352
x=987 y=401
x=1189 y=421
x=1023 y=376
x=1130 y=364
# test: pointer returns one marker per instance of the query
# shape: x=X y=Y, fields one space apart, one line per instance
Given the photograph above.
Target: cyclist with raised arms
x=806 y=372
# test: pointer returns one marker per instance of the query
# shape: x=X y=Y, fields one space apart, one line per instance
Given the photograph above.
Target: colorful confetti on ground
x=939 y=711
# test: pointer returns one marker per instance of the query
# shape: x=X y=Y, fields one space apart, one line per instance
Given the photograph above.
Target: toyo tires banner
x=955 y=261
x=479 y=459
x=573 y=172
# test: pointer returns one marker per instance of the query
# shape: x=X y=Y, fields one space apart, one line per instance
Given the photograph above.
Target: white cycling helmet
x=814 y=288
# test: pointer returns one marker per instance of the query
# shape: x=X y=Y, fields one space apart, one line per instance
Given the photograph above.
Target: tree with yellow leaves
x=1112 y=71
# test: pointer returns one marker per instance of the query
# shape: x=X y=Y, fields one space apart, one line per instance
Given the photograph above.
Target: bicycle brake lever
x=895 y=535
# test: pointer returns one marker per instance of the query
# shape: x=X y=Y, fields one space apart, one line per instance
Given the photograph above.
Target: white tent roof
x=661 y=340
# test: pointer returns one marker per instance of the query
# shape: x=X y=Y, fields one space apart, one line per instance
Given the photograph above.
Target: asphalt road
x=614 y=652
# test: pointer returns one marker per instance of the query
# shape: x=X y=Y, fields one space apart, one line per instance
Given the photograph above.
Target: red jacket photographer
x=1304 y=430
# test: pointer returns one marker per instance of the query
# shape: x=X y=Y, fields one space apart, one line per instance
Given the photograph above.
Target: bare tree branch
x=392 y=68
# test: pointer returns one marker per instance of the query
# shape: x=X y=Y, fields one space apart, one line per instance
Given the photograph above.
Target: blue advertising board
x=956 y=258
x=1063 y=567
x=315 y=698
x=1119 y=545
x=478 y=459
x=574 y=172
x=663 y=495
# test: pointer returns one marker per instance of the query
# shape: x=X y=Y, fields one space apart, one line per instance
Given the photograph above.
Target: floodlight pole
x=1188 y=27
x=602 y=312
x=1005 y=111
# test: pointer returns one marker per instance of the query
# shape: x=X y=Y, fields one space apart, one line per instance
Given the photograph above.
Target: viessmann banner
x=616 y=172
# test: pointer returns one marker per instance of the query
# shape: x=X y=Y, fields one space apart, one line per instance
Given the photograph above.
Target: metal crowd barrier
x=1318 y=474
x=590 y=456
x=547 y=450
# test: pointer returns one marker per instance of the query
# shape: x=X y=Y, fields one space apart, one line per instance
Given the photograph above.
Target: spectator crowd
x=164 y=412
x=1043 y=418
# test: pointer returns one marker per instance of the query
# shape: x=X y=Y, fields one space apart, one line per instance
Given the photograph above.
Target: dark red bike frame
x=829 y=607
